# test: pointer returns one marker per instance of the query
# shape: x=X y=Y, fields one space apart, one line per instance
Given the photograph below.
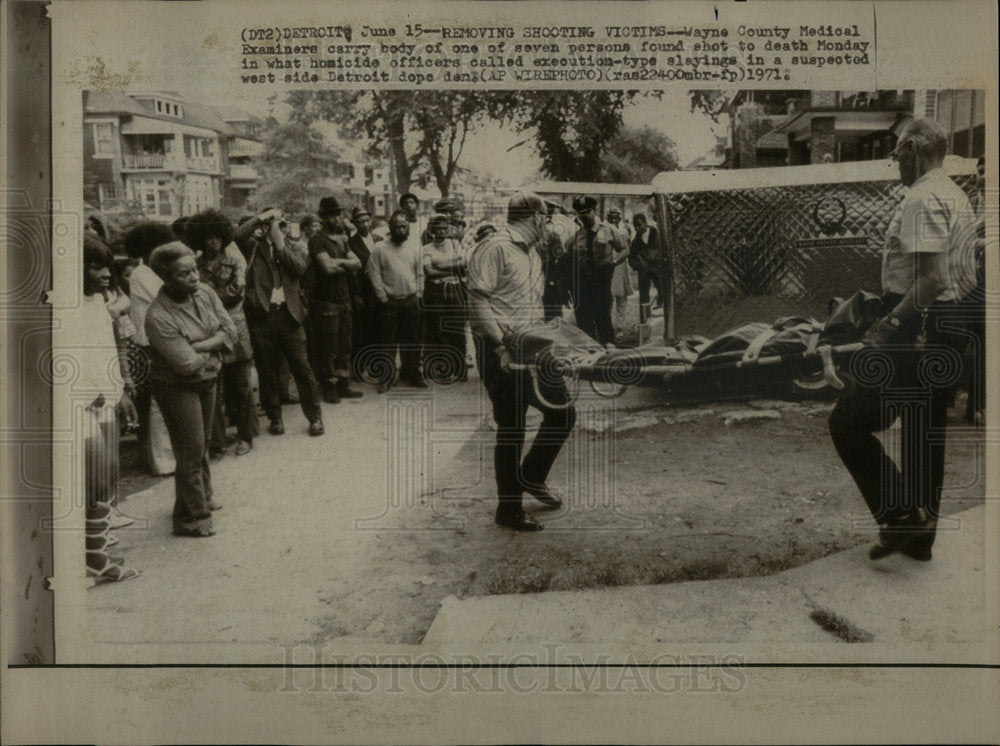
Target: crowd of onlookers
x=201 y=309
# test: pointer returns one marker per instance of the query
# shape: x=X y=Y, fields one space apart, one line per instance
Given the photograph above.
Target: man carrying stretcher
x=912 y=351
x=506 y=281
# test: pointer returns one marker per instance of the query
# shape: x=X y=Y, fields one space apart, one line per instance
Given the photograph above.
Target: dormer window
x=168 y=108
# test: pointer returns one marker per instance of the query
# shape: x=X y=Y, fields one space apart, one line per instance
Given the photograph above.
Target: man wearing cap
x=450 y=209
x=598 y=248
x=362 y=243
x=331 y=302
x=928 y=266
x=275 y=313
x=506 y=280
x=397 y=278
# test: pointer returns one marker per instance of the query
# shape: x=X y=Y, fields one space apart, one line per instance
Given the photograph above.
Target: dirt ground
x=655 y=493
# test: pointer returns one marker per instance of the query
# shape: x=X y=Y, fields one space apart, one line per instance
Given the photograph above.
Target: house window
x=104 y=142
x=153 y=195
x=107 y=193
x=930 y=105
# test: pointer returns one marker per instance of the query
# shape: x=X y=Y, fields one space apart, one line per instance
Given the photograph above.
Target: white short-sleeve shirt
x=934 y=217
x=510 y=275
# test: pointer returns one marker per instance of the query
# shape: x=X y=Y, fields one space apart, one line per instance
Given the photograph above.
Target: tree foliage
x=710 y=102
x=573 y=128
x=636 y=155
x=424 y=132
x=295 y=167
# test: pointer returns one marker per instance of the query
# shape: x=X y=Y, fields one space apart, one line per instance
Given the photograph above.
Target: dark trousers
x=444 y=335
x=330 y=336
x=973 y=309
x=912 y=385
x=364 y=334
x=401 y=327
x=645 y=279
x=511 y=394
x=593 y=309
x=235 y=399
x=188 y=410
x=273 y=335
x=552 y=300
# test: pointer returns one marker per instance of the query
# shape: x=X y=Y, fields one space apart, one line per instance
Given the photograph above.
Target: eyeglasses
x=897 y=151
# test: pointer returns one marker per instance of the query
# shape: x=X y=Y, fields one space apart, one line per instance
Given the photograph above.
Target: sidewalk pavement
x=896 y=600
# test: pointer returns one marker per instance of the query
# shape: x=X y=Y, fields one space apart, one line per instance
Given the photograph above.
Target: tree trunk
x=396 y=127
x=442 y=176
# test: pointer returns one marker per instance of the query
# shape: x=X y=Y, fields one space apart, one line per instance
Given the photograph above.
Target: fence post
x=666 y=265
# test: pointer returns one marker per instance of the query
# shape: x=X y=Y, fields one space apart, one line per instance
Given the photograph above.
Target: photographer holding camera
x=275 y=311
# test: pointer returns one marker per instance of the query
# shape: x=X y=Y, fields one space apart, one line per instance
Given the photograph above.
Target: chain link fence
x=758 y=253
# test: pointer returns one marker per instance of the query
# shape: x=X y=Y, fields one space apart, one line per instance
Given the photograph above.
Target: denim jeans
x=188 y=410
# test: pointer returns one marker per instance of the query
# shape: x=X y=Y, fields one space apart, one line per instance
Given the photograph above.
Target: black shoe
x=418 y=383
x=345 y=391
x=917 y=551
x=316 y=427
x=518 y=522
x=331 y=397
x=544 y=496
x=277 y=427
x=899 y=534
x=201 y=532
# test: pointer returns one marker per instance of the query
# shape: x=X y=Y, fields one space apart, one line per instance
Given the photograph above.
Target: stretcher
x=559 y=353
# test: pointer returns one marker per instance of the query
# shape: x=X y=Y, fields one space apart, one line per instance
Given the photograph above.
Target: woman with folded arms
x=189 y=331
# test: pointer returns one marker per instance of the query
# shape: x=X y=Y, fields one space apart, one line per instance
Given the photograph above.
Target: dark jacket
x=645 y=255
x=264 y=271
x=362 y=286
x=607 y=243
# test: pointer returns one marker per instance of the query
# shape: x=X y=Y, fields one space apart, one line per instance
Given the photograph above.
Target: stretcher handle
x=821 y=351
x=533 y=372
